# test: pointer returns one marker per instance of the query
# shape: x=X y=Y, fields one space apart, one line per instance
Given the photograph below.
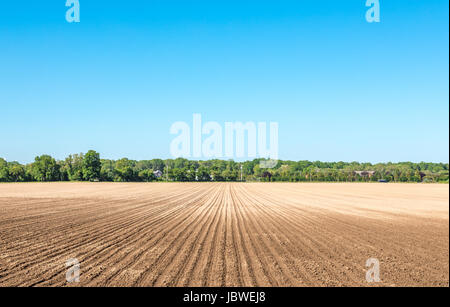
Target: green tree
x=91 y=166
x=17 y=172
x=203 y=174
x=178 y=174
x=190 y=174
x=72 y=167
x=124 y=170
x=415 y=176
x=147 y=175
x=107 y=171
x=158 y=165
x=4 y=173
x=45 y=168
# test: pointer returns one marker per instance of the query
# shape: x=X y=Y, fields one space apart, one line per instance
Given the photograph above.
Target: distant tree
x=227 y=175
x=158 y=165
x=443 y=176
x=190 y=174
x=267 y=176
x=72 y=167
x=45 y=168
x=203 y=174
x=178 y=174
x=416 y=177
x=63 y=171
x=29 y=172
x=124 y=170
x=217 y=175
x=107 y=171
x=4 y=173
x=91 y=166
x=180 y=163
x=17 y=172
x=147 y=175
x=143 y=165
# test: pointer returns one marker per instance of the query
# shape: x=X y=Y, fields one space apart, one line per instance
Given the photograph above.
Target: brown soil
x=224 y=234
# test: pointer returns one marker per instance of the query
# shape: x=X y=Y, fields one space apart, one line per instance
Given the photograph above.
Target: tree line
x=90 y=167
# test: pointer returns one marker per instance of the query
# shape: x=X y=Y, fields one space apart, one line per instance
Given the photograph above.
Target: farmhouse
x=157 y=173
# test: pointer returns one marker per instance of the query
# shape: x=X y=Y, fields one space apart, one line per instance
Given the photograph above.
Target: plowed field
x=224 y=234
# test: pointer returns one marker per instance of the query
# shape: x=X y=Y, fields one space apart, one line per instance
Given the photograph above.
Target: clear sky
x=339 y=87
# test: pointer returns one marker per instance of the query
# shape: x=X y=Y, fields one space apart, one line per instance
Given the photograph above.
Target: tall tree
x=4 y=174
x=124 y=170
x=45 y=168
x=91 y=166
x=17 y=172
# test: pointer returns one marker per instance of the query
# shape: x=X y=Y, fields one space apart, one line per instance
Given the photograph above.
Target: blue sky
x=339 y=87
